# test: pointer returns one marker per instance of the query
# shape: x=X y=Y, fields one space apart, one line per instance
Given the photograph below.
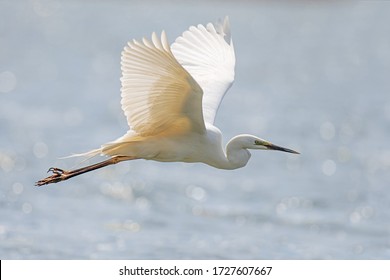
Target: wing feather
x=207 y=53
x=158 y=95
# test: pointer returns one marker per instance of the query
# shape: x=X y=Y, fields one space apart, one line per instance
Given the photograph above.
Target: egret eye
x=258 y=142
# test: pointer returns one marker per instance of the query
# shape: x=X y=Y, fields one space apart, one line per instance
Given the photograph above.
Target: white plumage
x=207 y=53
x=170 y=97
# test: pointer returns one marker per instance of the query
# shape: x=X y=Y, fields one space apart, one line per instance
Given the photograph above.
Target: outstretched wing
x=158 y=95
x=207 y=53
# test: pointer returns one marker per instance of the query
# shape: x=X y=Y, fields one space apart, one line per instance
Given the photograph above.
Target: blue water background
x=314 y=77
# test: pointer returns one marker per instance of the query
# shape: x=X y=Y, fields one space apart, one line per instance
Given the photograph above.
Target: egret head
x=237 y=149
x=247 y=141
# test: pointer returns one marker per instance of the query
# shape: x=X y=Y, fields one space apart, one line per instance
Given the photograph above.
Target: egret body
x=170 y=97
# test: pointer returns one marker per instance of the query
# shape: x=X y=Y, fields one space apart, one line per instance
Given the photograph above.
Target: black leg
x=62 y=175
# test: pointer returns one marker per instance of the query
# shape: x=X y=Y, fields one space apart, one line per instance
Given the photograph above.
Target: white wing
x=158 y=95
x=207 y=53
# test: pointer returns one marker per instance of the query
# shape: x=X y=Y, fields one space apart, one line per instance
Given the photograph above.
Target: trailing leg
x=62 y=175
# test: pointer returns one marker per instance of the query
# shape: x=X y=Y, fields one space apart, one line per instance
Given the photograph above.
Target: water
x=311 y=77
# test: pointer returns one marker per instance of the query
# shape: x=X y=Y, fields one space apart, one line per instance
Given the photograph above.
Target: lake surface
x=311 y=77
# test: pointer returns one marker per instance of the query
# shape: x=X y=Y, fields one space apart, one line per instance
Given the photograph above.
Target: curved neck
x=236 y=155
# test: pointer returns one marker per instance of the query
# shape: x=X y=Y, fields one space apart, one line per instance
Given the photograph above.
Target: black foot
x=58 y=176
x=56 y=170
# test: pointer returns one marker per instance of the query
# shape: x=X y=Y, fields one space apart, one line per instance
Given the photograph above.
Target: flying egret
x=170 y=96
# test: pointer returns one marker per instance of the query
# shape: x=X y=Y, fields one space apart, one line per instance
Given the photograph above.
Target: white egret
x=170 y=96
